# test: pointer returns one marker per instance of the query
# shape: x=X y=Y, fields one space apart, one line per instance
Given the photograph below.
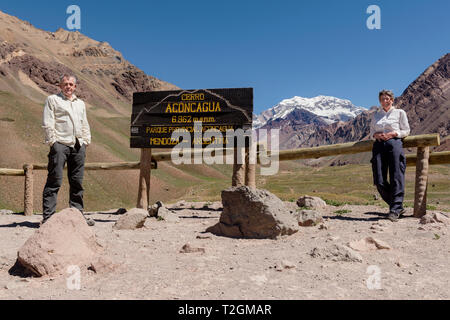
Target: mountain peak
x=330 y=109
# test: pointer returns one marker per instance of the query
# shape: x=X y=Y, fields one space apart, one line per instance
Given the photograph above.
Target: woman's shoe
x=394 y=216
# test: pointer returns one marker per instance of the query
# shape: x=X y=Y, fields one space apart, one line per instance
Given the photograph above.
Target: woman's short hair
x=68 y=76
x=386 y=93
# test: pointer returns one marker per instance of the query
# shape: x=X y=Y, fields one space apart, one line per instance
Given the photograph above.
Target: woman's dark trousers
x=388 y=156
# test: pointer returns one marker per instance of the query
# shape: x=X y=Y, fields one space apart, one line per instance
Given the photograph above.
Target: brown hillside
x=31 y=61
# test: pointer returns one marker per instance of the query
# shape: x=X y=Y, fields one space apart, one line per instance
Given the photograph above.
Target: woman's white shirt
x=393 y=120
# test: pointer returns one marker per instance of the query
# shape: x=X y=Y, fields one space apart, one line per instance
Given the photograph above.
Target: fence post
x=238 y=178
x=420 y=193
x=28 y=190
x=144 y=179
x=250 y=166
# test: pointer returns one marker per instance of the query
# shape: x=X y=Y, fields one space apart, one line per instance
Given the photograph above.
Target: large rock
x=251 y=213
x=133 y=219
x=64 y=240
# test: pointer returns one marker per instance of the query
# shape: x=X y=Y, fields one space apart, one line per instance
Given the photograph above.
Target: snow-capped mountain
x=328 y=109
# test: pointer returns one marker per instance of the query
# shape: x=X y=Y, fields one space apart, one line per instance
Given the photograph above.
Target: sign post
x=143 y=200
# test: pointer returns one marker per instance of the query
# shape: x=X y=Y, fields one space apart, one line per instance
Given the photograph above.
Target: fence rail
x=245 y=174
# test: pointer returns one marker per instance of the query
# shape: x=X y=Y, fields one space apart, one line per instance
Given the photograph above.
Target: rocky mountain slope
x=427 y=101
x=31 y=61
x=35 y=58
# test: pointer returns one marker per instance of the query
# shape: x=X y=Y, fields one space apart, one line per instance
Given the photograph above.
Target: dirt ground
x=150 y=265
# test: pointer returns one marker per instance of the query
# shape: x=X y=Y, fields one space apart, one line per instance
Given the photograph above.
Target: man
x=389 y=125
x=67 y=133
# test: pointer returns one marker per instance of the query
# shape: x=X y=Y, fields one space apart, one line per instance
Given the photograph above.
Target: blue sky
x=280 y=48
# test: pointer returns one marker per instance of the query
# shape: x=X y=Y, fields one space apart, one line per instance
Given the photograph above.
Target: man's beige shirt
x=64 y=121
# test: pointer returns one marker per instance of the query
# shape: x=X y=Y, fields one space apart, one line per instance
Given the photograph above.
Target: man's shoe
x=90 y=222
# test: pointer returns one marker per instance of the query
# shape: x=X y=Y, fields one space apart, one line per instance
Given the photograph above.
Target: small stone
x=333 y=238
x=311 y=202
x=337 y=253
x=368 y=244
x=286 y=264
x=307 y=218
x=159 y=204
x=121 y=211
x=401 y=264
x=133 y=219
x=435 y=217
x=153 y=210
x=188 y=249
x=323 y=227
x=167 y=215
x=203 y=237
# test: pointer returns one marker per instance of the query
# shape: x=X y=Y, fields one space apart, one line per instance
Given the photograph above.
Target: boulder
x=311 y=202
x=133 y=219
x=308 y=218
x=257 y=214
x=63 y=240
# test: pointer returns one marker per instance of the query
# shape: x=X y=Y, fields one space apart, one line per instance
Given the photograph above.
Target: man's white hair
x=68 y=76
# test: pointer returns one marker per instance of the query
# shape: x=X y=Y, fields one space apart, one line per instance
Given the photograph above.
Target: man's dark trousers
x=389 y=156
x=58 y=156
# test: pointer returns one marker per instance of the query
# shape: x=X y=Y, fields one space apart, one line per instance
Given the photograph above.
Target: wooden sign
x=156 y=115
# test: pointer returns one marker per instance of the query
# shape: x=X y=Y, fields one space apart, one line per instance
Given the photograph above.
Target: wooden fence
x=245 y=174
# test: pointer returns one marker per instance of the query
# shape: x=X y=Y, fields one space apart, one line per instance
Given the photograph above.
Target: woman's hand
x=385 y=136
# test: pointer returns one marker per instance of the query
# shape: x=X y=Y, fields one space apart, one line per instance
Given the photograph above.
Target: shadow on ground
x=28 y=224
x=376 y=216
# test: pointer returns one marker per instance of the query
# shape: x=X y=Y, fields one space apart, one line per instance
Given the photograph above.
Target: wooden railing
x=244 y=174
x=28 y=169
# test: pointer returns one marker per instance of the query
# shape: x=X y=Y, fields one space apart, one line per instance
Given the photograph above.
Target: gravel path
x=150 y=265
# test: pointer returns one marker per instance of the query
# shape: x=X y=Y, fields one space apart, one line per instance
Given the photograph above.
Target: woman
x=389 y=125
